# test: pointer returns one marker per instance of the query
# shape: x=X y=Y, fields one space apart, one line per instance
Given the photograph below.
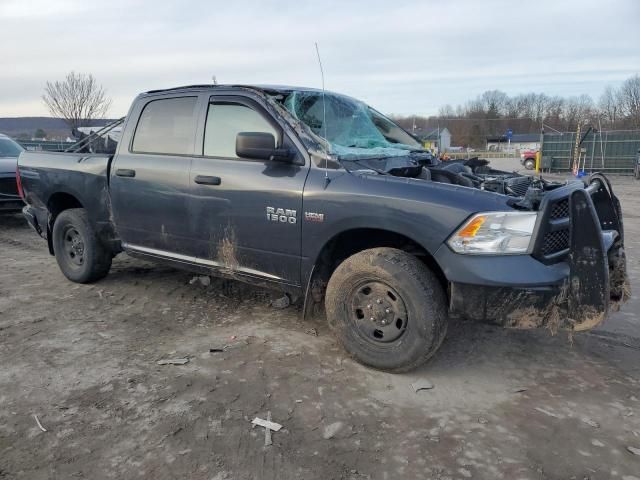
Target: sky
x=402 y=57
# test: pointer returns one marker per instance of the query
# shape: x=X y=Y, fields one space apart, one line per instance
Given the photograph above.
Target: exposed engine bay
x=527 y=190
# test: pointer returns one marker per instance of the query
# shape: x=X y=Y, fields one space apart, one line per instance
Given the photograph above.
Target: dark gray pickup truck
x=323 y=197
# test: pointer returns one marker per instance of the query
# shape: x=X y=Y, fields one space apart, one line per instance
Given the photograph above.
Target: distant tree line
x=39 y=134
x=493 y=112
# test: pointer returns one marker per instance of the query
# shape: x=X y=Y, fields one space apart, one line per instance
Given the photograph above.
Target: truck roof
x=262 y=88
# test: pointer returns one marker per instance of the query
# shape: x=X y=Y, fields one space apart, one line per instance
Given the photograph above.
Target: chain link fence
x=612 y=151
x=45 y=145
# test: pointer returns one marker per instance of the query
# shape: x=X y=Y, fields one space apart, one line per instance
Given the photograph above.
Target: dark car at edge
x=9 y=151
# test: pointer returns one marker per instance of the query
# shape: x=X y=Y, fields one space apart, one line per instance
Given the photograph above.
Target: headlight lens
x=492 y=233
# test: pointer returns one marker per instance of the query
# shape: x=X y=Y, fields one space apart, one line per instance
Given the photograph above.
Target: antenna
x=324 y=120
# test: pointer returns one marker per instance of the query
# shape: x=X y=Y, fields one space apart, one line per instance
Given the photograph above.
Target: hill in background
x=26 y=127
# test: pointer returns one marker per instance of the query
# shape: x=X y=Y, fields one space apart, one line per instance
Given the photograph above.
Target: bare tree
x=630 y=100
x=446 y=111
x=609 y=106
x=577 y=110
x=77 y=99
x=554 y=112
x=494 y=103
x=540 y=107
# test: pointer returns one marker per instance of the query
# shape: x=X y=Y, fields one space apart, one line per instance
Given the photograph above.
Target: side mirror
x=260 y=145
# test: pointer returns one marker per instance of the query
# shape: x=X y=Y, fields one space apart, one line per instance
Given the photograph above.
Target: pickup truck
x=321 y=196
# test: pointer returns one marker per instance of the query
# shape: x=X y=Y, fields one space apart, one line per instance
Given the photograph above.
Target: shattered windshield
x=352 y=128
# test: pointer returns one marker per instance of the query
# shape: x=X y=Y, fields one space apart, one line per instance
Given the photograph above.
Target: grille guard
x=595 y=281
x=598 y=277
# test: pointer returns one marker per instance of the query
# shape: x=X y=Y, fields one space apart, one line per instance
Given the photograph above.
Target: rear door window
x=166 y=126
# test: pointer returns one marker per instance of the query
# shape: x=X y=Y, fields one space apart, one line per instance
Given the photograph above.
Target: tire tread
x=101 y=256
x=418 y=273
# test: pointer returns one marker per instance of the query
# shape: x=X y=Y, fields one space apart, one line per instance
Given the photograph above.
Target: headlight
x=492 y=233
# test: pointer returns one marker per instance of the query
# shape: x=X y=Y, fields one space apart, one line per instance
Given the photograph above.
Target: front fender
x=423 y=211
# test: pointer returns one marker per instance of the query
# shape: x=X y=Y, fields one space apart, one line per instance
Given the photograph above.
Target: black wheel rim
x=73 y=246
x=378 y=312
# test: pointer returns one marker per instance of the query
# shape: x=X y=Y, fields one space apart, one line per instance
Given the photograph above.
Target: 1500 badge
x=314 y=217
x=281 y=215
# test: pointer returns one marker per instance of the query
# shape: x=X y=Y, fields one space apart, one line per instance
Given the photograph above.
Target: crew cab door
x=247 y=214
x=149 y=178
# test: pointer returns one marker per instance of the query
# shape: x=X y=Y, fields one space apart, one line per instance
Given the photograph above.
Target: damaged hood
x=525 y=192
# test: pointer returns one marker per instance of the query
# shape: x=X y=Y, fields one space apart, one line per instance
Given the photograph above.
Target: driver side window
x=224 y=121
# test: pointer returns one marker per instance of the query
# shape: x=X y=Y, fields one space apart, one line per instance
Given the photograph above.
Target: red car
x=528 y=159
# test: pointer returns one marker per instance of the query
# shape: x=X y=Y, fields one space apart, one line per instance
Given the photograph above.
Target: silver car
x=9 y=197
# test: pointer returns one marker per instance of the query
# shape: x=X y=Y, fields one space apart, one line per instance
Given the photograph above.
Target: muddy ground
x=83 y=359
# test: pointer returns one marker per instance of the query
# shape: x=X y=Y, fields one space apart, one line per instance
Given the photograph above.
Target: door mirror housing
x=261 y=146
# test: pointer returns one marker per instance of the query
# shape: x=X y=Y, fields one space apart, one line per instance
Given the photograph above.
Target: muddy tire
x=529 y=164
x=387 y=309
x=79 y=253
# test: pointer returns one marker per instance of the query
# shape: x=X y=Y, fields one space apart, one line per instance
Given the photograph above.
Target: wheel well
x=59 y=202
x=347 y=243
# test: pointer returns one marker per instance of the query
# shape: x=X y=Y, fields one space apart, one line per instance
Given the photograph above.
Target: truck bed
x=81 y=177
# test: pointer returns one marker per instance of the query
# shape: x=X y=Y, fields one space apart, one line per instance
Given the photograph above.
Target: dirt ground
x=83 y=358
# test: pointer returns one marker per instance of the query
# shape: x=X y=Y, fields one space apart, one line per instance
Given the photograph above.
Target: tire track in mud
x=15 y=232
x=11 y=242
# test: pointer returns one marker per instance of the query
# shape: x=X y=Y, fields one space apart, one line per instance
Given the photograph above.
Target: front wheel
x=387 y=309
x=79 y=253
x=529 y=164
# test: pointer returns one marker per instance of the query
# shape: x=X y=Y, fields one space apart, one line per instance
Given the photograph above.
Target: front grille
x=518 y=186
x=555 y=242
x=8 y=186
x=560 y=209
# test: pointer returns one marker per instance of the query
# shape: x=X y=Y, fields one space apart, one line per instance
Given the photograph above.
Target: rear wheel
x=79 y=253
x=387 y=309
x=529 y=164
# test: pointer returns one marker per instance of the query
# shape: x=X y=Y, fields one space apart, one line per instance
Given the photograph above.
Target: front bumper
x=572 y=288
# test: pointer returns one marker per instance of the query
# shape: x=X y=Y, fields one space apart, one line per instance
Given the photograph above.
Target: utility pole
x=576 y=150
x=539 y=154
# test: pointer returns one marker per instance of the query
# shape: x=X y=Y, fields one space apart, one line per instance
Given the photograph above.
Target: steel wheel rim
x=73 y=246
x=377 y=312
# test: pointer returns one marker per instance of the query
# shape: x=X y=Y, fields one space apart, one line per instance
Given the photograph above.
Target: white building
x=519 y=142
x=438 y=140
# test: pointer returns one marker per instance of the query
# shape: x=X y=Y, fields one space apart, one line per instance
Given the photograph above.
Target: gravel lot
x=83 y=359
